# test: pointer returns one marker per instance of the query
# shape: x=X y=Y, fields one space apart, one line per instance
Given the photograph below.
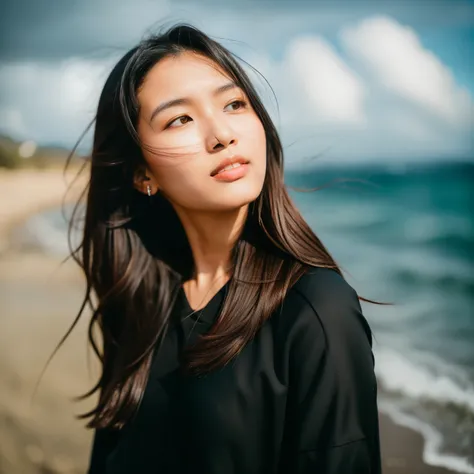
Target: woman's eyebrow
x=186 y=100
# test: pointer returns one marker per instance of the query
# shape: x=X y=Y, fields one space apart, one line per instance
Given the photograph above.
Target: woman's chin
x=237 y=198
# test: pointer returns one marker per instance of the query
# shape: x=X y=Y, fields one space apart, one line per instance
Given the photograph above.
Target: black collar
x=208 y=314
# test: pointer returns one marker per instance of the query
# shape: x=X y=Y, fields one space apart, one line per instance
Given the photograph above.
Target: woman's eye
x=242 y=103
x=175 y=120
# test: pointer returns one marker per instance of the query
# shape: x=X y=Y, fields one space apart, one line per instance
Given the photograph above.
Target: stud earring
x=148 y=189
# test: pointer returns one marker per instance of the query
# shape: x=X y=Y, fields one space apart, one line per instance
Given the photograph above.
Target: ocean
x=403 y=235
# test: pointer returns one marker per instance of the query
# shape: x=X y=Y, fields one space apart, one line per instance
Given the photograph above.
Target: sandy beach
x=39 y=299
x=25 y=192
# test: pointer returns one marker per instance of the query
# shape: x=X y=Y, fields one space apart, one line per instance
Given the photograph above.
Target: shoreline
x=402 y=450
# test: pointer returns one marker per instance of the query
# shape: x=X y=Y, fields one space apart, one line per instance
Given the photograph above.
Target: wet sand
x=402 y=450
x=39 y=299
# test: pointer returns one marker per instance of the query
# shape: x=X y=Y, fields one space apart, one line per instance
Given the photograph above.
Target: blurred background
x=374 y=104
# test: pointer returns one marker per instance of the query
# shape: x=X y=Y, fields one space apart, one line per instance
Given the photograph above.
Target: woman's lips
x=232 y=174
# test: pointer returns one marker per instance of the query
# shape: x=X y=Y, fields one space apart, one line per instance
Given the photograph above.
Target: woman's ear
x=144 y=182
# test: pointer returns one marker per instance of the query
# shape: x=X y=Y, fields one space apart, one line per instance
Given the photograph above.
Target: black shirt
x=300 y=398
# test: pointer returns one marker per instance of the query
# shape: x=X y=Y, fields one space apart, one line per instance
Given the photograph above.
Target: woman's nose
x=221 y=136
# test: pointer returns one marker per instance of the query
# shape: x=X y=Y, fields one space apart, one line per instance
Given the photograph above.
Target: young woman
x=231 y=343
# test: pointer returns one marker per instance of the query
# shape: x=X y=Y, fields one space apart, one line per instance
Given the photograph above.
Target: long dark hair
x=134 y=265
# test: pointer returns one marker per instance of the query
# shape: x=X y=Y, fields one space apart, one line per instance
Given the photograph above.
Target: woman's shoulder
x=320 y=281
x=326 y=291
x=325 y=305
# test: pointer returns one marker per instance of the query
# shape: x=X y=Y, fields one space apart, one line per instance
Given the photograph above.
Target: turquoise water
x=405 y=236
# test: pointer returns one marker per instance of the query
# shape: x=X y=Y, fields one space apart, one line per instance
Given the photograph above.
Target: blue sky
x=358 y=81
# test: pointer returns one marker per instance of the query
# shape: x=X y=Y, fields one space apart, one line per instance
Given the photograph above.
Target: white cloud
x=398 y=60
x=329 y=88
x=12 y=120
x=50 y=102
x=408 y=101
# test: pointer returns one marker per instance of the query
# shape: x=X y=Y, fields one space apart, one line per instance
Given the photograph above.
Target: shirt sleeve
x=332 y=416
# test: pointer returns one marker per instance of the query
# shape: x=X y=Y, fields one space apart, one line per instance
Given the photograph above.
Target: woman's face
x=187 y=135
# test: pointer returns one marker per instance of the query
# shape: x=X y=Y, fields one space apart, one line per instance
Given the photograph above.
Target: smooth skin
x=188 y=141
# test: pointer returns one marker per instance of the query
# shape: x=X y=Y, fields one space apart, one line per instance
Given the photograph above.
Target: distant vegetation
x=17 y=155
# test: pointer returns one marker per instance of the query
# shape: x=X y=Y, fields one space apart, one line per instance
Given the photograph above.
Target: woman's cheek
x=184 y=139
